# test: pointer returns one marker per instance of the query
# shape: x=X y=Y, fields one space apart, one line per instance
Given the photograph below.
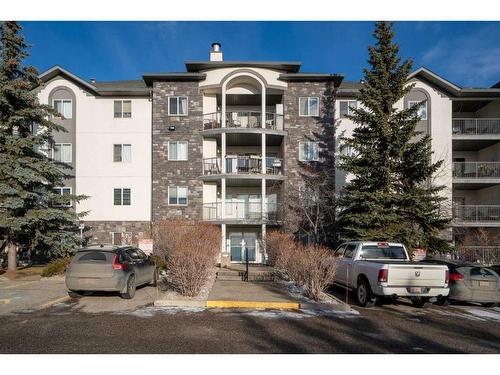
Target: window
x=122 y=153
x=346 y=106
x=309 y=106
x=122 y=197
x=177 y=151
x=422 y=110
x=63 y=191
x=177 y=196
x=177 y=105
x=123 y=108
x=349 y=250
x=64 y=107
x=62 y=152
x=308 y=151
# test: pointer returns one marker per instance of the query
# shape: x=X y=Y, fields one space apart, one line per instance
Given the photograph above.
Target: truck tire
x=130 y=293
x=364 y=294
x=421 y=302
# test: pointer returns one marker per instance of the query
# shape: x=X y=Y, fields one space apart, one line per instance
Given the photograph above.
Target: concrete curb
x=179 y=303
x=55 y=302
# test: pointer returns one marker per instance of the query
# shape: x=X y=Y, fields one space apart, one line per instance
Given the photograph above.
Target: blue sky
x=466 y=53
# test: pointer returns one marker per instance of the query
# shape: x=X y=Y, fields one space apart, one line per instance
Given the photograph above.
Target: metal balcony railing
x=476 y=126
x=243 y=119
x=476 y=213
x=243 y=165
x=241 y=211
x=487 y=255
x=479 y=169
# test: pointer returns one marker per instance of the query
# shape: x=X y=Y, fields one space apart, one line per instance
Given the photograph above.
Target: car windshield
x=382 y=252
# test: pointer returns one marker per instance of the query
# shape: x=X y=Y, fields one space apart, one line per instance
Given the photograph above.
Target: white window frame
x=121 y=196
x=178 y=101
x=309 y=142
x=308 y=98
x=424 y=104
x=70 y=154
x=121 y=154
x=121 y=113
x=60 y=188
x=177 y=204
x=177 y=142
x=63 y=100
x=349 y=107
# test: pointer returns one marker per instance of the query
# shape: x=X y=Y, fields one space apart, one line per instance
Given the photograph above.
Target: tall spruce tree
x=392 y=196
x=28 y=216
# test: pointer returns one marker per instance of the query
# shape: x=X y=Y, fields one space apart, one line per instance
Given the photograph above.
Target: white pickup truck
x=384 y=269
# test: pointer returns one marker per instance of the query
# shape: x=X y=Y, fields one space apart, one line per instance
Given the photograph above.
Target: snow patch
x=150 y=311
x=300 y=314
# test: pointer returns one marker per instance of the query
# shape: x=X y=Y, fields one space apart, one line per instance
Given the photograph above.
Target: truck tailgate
x=412 y=275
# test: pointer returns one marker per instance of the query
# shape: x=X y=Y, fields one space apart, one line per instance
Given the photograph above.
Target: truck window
x=339 y=251
x=349 y=250
x=382 y=252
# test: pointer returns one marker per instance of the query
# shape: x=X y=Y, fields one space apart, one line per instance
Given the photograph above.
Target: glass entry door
x=238 y=248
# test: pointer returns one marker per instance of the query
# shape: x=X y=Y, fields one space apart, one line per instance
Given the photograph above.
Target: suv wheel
x=364 y=294
x=130 y=293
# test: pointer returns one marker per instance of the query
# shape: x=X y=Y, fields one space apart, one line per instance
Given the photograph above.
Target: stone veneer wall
x=177 y=173
x=132 y=231
x=303 y=129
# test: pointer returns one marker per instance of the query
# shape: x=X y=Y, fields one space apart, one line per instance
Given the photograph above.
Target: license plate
x=416 y=290
x=484 y=284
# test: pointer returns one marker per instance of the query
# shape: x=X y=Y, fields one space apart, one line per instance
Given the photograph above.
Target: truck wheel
x=130 y=293
x=364 y=294
x=421 y=302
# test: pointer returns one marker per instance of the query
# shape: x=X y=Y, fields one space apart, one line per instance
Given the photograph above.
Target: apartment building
x=108 y=145
x=228 y=136
x=225 y=142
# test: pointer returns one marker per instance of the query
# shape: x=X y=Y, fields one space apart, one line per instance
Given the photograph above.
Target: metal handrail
x=476 y=169
x=240 y=211
x=475 y=126
x=243 y=119
x=476 y=213
x=243 y=165
x=486 y=255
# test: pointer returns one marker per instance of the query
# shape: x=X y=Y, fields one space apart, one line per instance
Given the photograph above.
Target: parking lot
x=105 y=323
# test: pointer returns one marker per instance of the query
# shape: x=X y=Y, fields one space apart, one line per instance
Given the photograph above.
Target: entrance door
x=238 y=251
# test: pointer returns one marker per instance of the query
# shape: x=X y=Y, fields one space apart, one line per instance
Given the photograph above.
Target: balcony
x=243 y=119
x=487 y=255
x=476 y=169
x=476 y=126
x=241 y=212
x=243 y=165
x=476 y=215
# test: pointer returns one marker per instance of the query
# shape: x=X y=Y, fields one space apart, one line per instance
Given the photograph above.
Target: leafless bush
x=310 y=266
x=189 y=251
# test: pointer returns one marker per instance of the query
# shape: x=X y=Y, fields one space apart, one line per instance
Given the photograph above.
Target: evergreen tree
x=391 y=196
x=28 y=216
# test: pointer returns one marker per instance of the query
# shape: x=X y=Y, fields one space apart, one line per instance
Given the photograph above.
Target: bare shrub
x=189 y=251
x=310 y=266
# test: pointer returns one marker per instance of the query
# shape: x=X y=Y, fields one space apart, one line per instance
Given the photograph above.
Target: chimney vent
x=92 y=80
x=216 y=52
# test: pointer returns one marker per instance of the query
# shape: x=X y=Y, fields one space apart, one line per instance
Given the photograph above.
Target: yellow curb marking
x=5 y=301
x=54 y=301
x=254 y=305
x=16 y=285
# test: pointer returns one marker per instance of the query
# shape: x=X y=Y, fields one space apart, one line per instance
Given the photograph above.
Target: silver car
x=470 y=282
x=110 y=268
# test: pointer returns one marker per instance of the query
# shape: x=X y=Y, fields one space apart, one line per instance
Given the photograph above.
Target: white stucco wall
x=96 y=173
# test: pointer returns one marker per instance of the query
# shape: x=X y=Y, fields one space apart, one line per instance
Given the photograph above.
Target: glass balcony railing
x=243 y=119
x=477 y=170
x=243 y=165
x=476 y=126
x=244 y=211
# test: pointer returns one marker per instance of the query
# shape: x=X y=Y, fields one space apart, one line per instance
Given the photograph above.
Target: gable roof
x=109 y=88
x=287 y=66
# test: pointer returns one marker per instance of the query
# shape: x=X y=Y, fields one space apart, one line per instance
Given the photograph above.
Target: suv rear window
x=92 y=256
x=387 y=252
